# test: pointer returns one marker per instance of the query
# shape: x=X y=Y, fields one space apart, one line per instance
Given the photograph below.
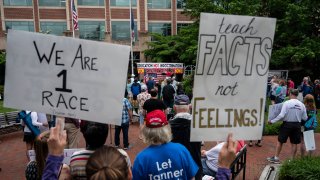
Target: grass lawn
x=4 y=109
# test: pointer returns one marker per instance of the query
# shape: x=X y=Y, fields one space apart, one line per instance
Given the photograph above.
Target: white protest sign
x=230 y=79
x=65 y=76
x=67 y=155
x=274 y=110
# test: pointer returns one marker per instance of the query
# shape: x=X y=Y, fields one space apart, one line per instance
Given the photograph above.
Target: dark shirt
x=180 y=128
x=168 y=92
x=150 y=84
x=153 y=104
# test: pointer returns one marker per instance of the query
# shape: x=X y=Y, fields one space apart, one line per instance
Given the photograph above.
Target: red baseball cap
x=156 y=119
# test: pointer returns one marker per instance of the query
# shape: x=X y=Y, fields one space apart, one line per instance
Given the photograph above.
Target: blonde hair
x=154 y=136
x=309 y=102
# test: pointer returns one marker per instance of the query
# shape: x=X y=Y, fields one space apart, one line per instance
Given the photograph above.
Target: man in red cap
x=162 y=159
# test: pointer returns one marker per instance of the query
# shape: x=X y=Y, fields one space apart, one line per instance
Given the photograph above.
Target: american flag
x=74 y=16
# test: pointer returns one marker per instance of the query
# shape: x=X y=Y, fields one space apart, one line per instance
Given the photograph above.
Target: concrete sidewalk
x=13 y=158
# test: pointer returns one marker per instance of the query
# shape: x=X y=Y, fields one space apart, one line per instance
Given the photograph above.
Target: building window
x=181 y=4
x=17 y=2
x=160 y=28
x=56 y=28
x=181 y=25
x=123 y=3
x=20 y=25
x=59 y=3
x=91 y=2
x=121 y=30
x=159 y=4
x=93 y=30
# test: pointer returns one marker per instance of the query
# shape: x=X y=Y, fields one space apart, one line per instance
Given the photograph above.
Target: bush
x=304 y=168
x=272 y=129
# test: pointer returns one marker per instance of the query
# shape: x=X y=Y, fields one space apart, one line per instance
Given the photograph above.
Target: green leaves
x=302 y=168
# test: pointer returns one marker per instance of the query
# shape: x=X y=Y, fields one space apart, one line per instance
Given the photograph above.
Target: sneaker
x=273 y=160
x=116 y=146
x=125 y=148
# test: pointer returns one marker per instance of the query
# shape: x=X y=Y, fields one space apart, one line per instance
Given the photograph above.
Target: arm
x=226 y=157
x=56 y=144
x=34 y=118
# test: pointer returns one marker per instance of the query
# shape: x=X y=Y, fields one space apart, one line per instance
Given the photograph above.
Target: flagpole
x=71 y=2
x=132 y=73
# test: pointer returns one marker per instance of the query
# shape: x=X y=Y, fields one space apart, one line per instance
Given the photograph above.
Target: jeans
x=125 y=129
x=206 y=170
x=141 y=119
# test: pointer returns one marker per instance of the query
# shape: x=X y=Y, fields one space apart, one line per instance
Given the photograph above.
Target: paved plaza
x=13 y=158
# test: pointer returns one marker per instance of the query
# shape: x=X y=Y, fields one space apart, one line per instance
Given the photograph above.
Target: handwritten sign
x=66 y=76
x=231 y=76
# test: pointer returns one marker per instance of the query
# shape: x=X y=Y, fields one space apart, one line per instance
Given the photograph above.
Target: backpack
x=312 y=122
x=28 y=122
x=135 y=88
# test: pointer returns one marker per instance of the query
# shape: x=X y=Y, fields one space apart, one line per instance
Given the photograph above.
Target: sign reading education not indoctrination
x=65 y=76
x=231 y=76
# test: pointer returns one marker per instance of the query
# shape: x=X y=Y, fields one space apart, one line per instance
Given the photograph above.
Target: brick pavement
x=13 y=159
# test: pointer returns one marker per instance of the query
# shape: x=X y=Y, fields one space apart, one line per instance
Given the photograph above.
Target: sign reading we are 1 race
x=65 y=76
x=231 y=76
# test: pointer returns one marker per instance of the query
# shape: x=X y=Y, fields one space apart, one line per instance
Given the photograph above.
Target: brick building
x=100 y=20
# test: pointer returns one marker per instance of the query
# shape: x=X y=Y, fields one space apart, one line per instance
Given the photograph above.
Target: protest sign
x=230 y=79
x=274 y=110
x=65 y=76
x=67 y=153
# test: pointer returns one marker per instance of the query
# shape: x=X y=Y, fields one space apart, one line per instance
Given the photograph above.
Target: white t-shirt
x=292 y=111
x=35 y=122
x=212 y=156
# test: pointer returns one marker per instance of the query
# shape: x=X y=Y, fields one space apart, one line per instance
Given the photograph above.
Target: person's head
x=316 y=81
x=144 y=88
x=293 y=93
x=95 y=135
x=153 y=93
x=41 y=150
x=309 y=102
x=282 y=82
x=135 y=80
x=107 y=163
x=169 y=81
x=156 y=130
x=181 y=103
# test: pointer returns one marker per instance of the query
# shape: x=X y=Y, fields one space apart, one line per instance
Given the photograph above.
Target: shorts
x=28 y=137
x=291 y=130
x=272 y=97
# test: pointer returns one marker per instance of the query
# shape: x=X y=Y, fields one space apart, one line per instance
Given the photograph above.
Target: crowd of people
x=298 y=115
x=164 y=112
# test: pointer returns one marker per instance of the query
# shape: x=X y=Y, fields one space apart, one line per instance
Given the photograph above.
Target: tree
x=296 y=42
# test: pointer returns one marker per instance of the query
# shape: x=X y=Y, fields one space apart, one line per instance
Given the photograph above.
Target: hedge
x=306 y=168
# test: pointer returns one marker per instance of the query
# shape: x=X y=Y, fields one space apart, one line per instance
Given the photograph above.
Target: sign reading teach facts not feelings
x=65 y=76
x=230 y=79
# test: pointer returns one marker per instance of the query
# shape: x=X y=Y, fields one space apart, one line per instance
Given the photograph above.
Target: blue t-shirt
x=166 y=161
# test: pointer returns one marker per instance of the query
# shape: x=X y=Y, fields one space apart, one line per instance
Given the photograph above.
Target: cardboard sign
x=65 y=76
x=231 y=76
x=67 y=155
